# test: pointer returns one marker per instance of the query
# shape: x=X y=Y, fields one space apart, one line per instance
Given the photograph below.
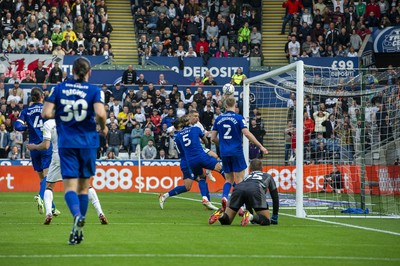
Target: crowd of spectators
x=141 y=113
x=339 y=128
x=52 y=27
x=325 y=28
x=203 y=28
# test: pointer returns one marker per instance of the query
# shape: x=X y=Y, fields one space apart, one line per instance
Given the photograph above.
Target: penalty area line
x=203 y=256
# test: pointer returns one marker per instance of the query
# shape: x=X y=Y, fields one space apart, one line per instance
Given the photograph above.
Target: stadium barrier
x=162 y=176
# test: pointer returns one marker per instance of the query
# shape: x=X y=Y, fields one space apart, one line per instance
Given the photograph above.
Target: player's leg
x=226 y=216
x=37 y=166
x=53 y=176
x=239 y=176
x=205 y=194
x=70 y=168
x=96 y=204
x=187 y=179
x=255 y=197
x=239 y=166
x=208 y=171
x=87 y=169
x=262 y=217
x=227 y=167
x=48 y=199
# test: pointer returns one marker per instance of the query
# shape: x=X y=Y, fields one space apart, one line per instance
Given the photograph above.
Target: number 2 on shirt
x=228 y=130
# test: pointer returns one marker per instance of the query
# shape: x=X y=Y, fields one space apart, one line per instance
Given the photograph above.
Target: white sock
x=95 y=200
x=251 y=217
x=166 y=195
x=208 y=171
x=205 y=198
x=48 y=200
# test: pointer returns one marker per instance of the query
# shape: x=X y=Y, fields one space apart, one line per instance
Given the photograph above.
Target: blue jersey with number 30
x=229 y=127
x=75 y=115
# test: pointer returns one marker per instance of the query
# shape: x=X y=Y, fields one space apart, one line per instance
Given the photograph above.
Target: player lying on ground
x=251 y=192
x=54 y=174
x=193 y=160
x=227 y=132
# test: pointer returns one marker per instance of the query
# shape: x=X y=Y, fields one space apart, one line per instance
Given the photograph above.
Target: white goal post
x=343 y=140
x=299 y=68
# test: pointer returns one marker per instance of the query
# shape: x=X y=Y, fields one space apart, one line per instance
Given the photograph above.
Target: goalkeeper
x=252 y=193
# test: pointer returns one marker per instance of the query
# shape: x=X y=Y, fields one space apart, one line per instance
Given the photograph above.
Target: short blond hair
x=230 y=102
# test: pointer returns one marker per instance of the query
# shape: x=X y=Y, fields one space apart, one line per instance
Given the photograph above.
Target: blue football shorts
x=77 y=163
x=234 y=164
x=41 y=159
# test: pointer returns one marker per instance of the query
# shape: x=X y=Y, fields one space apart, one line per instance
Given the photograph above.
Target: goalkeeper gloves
x=274 y=219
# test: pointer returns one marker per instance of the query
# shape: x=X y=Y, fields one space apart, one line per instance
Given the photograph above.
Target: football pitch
x=140 y=233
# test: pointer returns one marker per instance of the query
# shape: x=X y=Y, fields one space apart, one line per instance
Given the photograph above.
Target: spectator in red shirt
x=292 y=6
x=373 y=7
x=202 y=43
x=363 y=31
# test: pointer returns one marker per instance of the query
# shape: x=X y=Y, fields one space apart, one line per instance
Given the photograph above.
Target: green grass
x=140 y=233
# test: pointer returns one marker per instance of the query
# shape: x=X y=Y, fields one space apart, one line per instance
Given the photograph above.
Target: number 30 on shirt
x=76 y=110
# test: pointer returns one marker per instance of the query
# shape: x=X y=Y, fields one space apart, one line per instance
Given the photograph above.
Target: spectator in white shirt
x=294 y=49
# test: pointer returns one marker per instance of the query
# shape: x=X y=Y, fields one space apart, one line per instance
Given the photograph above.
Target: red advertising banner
x=379 y=179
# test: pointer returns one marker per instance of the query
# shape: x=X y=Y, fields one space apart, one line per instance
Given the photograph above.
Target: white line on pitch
x=213 y=256
x=324 y=221
x=348 y=225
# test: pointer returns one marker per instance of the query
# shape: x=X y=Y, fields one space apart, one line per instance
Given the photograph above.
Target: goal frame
x=298 y=66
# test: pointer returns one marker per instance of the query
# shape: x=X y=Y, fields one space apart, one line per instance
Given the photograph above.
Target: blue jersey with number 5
x=229 y=127
x=189 y=141
x=75 y=115
x=31 y=118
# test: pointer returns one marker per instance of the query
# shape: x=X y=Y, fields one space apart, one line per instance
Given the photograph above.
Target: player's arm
x=204 y=139
x=101 y=117
x=275 y=201
x=214 y=137
x=48 y=111
x=253 y=139
x=44 y=145
x=19 y=125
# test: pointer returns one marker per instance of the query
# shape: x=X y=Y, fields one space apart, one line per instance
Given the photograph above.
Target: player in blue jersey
x=77 y=105
x=195 y=122
x=30 y=118
x=54 y=174
x=252 y=193
x=193 y=158
x=227 y=131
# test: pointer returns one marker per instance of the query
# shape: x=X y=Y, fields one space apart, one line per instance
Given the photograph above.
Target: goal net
x=332 y=135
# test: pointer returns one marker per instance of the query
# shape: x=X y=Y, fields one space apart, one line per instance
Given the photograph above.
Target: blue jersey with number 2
x=75 y=115
x=229 y=127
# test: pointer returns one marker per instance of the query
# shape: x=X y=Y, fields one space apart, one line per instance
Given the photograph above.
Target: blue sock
x=72 y=200
x=208 y=194
x=203 y=187
x=234 y=184
x=42 y=187
x=226 y=189
x=53 y=206
x=83 y=203
x=177 y=190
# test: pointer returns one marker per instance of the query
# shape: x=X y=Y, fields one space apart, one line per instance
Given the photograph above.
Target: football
x=228 y=89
